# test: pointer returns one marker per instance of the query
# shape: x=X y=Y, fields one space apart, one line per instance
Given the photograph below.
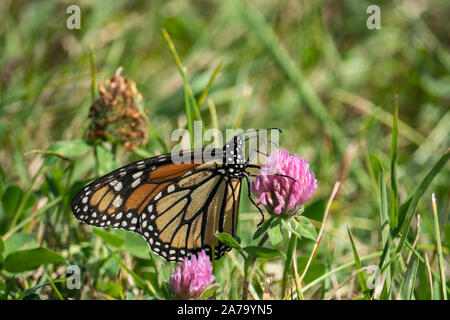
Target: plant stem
x=248 y=271
x=291 y=248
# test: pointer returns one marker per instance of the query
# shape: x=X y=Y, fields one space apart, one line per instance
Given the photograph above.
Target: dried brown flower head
x=115 y=115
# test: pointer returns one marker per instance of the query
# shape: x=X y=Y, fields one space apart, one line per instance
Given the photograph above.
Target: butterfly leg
x=249 y=196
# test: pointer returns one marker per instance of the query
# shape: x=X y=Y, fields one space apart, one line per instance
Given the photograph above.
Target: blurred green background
x=311 y=68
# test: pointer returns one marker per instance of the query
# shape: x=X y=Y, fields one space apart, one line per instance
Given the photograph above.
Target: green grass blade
x=287 y=264
x=209 y=85
x=182 y=69
x=407 y=209
x=362 y=280
x=384 y=220
x=394 y=154
x=409 y=281
x=190 y=120
x=439 y=247
x=266 y=35
x=52 y=283
x=93 y=73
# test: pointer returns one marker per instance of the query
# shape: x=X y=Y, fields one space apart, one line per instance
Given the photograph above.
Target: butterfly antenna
x=282 y=175
x=251 y=200
x=271 y=173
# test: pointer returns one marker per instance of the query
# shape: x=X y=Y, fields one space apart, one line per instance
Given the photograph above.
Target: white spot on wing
x=118 y=186
x=117 y=201
x=137 y=175
x=136 y=183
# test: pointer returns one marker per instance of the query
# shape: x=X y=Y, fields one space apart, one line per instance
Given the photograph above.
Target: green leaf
x=67 y=149
x=111 y=267
x=109 y=238
x=32 y=296
x=275 y=232
x=142 y=153
x=228 y=239
x=262 y=252
x=106 y=159
x=304 y=228
x=31 y=259
x=11 y=199
x=315 y=269
x=136 y=245
x=2 y=246
x=164 y=276
x=307 y=229
x=17 y=241
x=209 y=291
x=315 y=210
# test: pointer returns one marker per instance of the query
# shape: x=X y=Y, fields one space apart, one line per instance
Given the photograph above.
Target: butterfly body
x=176 y=207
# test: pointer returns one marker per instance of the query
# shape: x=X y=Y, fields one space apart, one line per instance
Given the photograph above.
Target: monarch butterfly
x=177 y=208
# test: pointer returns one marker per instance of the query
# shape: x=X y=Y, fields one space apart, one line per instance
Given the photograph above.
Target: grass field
x=311 y=68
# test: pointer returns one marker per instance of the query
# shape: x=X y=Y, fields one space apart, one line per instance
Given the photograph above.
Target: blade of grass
x=394 y=153
x=209 y=85
x=362 y=280
x=429 y=276
x=422 y=260
x=190 y=120
x=438 y=242
x=407 y=288
x=407 y=209
x=267 y=36
x=93 y=73
x=183 y=72
x=416 y=239
x=60 y=297
x=287 y=264
x=385 y=232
